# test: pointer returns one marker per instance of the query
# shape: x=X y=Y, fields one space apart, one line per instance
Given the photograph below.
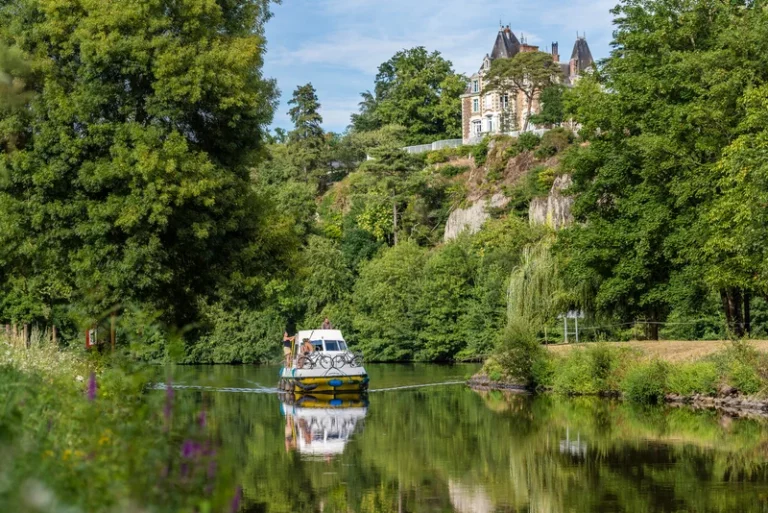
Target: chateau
x=484 y=113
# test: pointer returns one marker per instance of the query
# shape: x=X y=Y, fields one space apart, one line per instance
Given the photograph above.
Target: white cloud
x=339 y=44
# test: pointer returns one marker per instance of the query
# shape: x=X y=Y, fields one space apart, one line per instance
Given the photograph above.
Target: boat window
x=318 y=345
x=335 y=345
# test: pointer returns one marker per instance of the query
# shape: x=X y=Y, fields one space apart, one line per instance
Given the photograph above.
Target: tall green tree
x=671 y=100
x=551 y=112
x=392 y=166
x=526 y=72
x=133 y=184
x=307 y=140
x=418 y=90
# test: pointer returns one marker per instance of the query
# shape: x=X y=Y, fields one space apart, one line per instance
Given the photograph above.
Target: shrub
x=520 y=353
x=556 y=140
x=646 y=383
x=439 y=156
x=493 y=370
x=693 y=378
x=513 y=151
x=744 y=378
x=480 y=152
x=574 y=375
x=528 y=141
x=587 y=372
x=450 y=171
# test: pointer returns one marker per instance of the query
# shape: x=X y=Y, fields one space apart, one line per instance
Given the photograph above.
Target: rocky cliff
x=472 y=218
x=555 y=209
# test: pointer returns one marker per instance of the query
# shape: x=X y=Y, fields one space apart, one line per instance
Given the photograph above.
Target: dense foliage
x=128 y=170
x=137 y=180
x=418 y=90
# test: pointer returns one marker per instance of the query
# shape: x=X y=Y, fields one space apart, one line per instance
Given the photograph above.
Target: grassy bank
x=79 y=432
x=640 y=372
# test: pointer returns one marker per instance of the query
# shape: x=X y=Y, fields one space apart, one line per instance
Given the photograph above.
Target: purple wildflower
x=92 y=387
x=211 y=469
x=189 y=449
x=201 y=419
x=236 y=500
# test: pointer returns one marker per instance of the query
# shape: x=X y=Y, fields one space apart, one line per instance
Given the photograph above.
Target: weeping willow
x=535 y=291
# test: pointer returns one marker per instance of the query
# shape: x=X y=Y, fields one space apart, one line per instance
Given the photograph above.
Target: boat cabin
x=326 y=341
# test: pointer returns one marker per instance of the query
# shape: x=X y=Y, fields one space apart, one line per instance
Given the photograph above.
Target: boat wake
x=265 y=390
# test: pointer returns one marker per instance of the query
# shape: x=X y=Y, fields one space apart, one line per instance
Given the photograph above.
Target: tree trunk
x=54 y=336
x=394 y=221
x=726 y=309
x=528 y=115
x=653 y=330
x=747 y=313
x=732 y=303
x=26 y=335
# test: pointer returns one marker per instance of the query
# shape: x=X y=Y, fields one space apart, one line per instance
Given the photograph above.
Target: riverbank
x=728 y=376
x=79 y=432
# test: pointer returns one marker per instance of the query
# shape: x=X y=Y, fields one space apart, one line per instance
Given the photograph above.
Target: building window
x=504 y=101
x=477 y=127
x=489 y=102
x=490 y=124
x=475 y=105
x=475 y=86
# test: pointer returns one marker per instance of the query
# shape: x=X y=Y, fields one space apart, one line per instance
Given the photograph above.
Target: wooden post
x=26 y=335
x=113 y=322
x=54 y=338
x=565 y=327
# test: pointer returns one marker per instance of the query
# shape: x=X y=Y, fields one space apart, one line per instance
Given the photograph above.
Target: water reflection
x=319 y=427
x=450 y=449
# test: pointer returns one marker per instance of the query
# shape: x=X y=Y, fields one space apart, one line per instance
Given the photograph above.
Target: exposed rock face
x=472 y=218
x=555 y=209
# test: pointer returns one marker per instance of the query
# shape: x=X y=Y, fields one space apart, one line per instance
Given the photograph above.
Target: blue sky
x=338 y=44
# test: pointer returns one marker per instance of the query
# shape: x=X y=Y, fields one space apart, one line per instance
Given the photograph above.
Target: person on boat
x=327 y=324
x=287 y=345
x=306 y=350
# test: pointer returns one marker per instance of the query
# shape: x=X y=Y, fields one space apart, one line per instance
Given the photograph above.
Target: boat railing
x=327 y=362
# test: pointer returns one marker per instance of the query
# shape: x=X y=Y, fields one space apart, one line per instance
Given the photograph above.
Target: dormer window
x=475 y=86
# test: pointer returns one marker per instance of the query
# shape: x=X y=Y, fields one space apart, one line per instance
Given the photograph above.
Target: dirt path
x=669 y=350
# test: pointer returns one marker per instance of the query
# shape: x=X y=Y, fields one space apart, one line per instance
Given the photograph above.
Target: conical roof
x=506 y=45
x=581 y=54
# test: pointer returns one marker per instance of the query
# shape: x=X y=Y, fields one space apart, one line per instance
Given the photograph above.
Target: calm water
x=448 y=448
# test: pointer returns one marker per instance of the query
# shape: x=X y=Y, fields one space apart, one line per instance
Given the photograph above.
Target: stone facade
x=486 y=112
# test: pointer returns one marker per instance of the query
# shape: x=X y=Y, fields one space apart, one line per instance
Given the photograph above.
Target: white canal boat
x=329 y=367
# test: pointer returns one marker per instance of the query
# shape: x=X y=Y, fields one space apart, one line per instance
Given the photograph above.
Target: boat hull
x=324 y=385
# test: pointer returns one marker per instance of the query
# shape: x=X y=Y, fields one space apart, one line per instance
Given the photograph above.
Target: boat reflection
x=319 y=427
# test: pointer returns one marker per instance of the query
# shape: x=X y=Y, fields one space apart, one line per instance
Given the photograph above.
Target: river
x=451 y=449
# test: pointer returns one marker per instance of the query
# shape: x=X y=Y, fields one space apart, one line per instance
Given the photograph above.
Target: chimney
x=555 y=52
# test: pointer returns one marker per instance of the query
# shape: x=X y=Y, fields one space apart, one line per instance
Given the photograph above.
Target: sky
x=337 y=45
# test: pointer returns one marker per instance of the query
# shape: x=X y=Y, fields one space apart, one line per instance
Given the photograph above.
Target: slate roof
x=581 y=55
x=506 y=45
